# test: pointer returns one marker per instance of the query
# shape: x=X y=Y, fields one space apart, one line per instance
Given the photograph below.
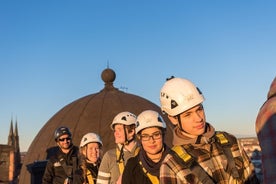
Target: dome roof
x=92 y=113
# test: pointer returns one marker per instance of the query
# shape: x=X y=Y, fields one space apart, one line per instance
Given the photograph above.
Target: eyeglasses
x=67 y=139
x=154 y=136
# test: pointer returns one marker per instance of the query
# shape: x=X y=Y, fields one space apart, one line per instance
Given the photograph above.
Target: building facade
x=10 y=159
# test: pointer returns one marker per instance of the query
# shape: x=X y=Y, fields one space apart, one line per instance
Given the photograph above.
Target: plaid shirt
x=266 y=132
x=211 y=157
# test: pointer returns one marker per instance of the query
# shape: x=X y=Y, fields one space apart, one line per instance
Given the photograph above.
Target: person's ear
x=173 y=119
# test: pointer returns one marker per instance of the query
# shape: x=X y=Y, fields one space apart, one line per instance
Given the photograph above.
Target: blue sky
x=53 y=52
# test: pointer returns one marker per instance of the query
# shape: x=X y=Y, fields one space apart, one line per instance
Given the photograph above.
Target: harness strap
x=120 y=158
x=137 y=149
x=221 y=138
x=153 y=179
x=75 y=163
x=226 y=146
x=188 y=162
x=89 y=177
x=68 y=169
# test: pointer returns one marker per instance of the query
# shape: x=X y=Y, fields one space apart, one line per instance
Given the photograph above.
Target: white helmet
x=125 y=118
x=89 y=138
x=178 y=95
x=149 y=118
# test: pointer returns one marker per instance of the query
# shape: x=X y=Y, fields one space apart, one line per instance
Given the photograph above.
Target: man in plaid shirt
x=200 y=154
x=266 y=132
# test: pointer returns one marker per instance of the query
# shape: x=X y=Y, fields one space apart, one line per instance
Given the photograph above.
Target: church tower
x=10 y=158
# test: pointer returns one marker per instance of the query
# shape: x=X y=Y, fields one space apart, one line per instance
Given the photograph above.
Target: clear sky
x=53 y=52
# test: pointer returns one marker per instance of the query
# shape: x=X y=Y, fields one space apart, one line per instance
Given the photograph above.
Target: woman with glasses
x=144 y=168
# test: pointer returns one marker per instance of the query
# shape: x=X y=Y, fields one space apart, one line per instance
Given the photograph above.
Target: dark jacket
x=57 y=164
x=93 y=172
x=134 y=173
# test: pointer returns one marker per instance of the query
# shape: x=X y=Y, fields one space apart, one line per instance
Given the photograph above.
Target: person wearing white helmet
x=114 y=160
x=90 y=158
x=145 y=167
x=199 y=153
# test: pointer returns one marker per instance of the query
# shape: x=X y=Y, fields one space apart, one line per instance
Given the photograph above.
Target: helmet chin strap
x=126 y=140
x=121 y=156
x=129 y=141
x=179 y=123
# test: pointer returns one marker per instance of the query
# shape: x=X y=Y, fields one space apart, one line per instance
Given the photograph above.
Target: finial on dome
x=108 y=76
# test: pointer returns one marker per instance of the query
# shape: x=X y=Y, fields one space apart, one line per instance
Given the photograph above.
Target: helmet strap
x=129 y=141
x=121 y=155
x=126 y=139
x=179 y=123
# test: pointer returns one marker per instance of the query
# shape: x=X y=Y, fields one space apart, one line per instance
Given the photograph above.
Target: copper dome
x=92 y=113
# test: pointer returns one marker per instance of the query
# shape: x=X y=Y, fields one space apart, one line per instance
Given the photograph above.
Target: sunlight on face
x=152 y=140
x=92 y=152
x=64 y=142
x=119 y=134
x=193 y=120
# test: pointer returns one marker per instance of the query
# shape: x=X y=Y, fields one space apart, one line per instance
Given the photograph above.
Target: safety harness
x=89 y=177
x=183 y=155
x=153 y=179
x=69 y=169
x=120 y=157
x=226 y=144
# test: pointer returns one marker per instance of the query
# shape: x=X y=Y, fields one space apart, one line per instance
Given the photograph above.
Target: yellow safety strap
x=136 y=151
x=231 y=168
x=222 y=139
x=89 y=177
x=121 y=161
x=153 y=179
x=182 y=154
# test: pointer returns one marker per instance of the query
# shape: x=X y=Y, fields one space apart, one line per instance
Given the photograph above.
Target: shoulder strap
x=75 y=164
x=120 y=159
x=226 y=144
x=68 y=169
x=188 y=162
x=153 y=179
x=137 y=149
x=89 y=177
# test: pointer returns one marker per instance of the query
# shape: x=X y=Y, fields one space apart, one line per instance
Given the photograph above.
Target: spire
x=16 y=145
x=16 y=137
x=15 y=129
x=11 y=135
